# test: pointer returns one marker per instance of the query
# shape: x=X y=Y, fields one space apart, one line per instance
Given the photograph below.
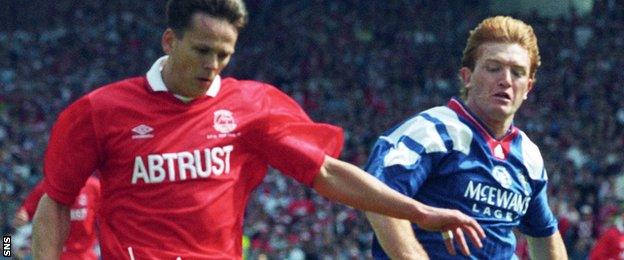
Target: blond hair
x=500 y=29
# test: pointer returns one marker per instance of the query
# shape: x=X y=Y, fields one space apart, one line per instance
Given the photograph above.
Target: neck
x=497 y=127
x=170 y=82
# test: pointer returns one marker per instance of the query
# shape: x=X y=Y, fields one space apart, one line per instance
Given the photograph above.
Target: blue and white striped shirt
x=444 y=157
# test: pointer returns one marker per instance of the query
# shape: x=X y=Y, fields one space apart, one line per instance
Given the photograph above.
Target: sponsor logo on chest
x=191 y=164
x=181 y=166
x=500 y=202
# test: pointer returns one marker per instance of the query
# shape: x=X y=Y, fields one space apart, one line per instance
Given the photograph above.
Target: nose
x=505 y=78
x=211 y=62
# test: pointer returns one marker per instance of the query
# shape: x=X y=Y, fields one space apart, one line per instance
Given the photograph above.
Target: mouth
x=503 y=95
x=204 y=80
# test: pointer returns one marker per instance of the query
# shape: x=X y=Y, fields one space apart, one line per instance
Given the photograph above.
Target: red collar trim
x=498 y=148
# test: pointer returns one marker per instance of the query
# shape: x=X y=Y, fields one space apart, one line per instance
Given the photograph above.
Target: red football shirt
x=610 y=246
x=81 y=238
x=176 y=176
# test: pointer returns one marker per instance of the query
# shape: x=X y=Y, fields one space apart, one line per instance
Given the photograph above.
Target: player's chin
x=203 y=85
x=501 y=111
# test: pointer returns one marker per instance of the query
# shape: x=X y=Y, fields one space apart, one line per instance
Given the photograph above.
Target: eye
x=223 y=55
x=203 y=51
x=493 y=68
x=518 y=72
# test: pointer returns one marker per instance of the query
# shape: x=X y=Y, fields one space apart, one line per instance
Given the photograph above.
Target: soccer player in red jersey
x=610 y=245
x=81 y=239
x=180 y=150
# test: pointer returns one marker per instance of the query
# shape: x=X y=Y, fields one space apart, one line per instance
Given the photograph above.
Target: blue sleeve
x=403 y=165
x=539 y=220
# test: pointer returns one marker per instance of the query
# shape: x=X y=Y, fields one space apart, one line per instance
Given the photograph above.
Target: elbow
x=408 y=254
x=322 y=182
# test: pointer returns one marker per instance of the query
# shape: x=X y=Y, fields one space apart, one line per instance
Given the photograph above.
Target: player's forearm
x=50 y=229
x=396 y=237
x=547 y=247
x=348 y=184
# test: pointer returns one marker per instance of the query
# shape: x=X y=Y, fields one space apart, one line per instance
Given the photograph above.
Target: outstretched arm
x=50 y=229
x=396 y=237
x=551 y=247
x=348 y=184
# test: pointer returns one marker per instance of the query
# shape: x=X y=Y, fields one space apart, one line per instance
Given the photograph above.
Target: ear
x=529 y=88
x=168 y=41
x=465 y=74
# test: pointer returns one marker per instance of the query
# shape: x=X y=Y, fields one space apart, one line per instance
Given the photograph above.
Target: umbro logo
x=142 y=131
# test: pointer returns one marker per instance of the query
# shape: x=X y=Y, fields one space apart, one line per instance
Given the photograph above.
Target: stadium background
x=362 y=65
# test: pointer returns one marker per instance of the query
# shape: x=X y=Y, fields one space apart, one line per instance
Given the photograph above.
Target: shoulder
x=262 y=95
x=437 y=129
x=112 y=90
x=128 y=93
x=111 y=93
x=532 y=158
x=100 y=99
x=251 y=88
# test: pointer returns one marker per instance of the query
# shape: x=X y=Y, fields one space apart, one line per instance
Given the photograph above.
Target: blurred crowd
x=362 y=65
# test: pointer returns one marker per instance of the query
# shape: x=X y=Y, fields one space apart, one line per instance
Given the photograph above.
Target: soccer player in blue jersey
x=469 y=156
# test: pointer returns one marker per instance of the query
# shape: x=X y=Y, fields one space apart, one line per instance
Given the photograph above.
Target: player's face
x=199 y=55
x=500 y=81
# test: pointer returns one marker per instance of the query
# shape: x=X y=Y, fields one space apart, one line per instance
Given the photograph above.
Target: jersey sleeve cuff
x=331 y=146
x=60 y=197
x=545 y=232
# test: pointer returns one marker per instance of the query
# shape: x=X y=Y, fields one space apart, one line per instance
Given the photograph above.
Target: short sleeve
x=72 y=153
x=539 y=221
x=402 y=164
x=289 y=140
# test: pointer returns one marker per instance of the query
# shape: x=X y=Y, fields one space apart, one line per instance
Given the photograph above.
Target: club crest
x=502 y=176
x=224 y=121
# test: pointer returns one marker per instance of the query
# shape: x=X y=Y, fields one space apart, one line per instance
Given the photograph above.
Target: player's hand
x=453 y=225
x=21 y=218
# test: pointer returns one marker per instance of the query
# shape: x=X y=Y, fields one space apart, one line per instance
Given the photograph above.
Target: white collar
x=154 y=78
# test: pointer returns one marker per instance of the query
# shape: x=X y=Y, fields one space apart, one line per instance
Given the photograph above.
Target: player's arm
x=72 y=155
x=50 y=229
x=348 y=184
x=396 y=237
x=539 y=225
x=550 y=247
x=26 y=212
